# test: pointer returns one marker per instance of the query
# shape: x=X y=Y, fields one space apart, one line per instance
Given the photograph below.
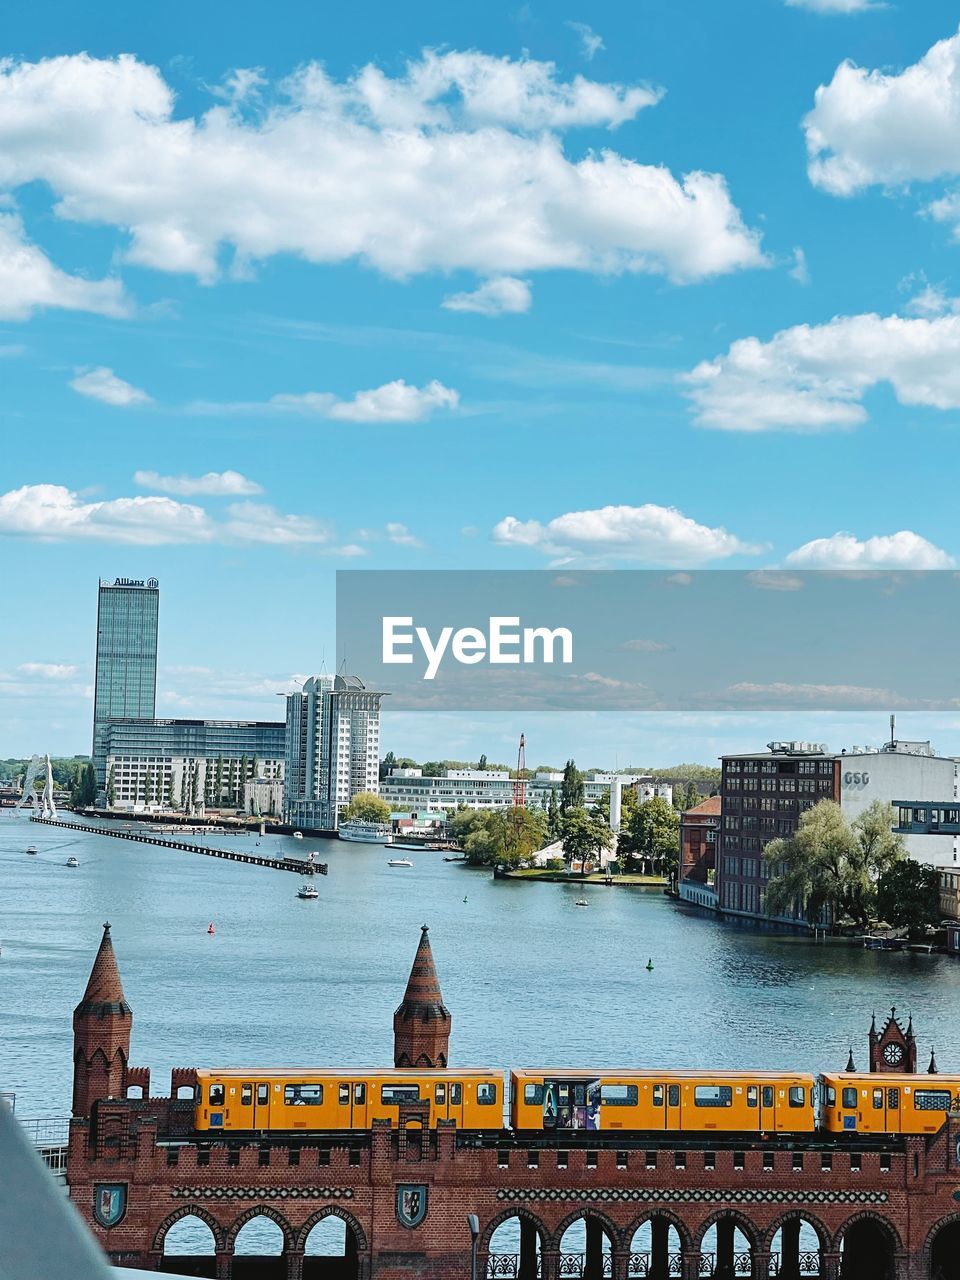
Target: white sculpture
x=47 y=808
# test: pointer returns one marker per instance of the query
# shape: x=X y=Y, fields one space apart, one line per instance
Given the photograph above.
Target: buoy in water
x=648 y=966
x=464 y=897
x=211 y=929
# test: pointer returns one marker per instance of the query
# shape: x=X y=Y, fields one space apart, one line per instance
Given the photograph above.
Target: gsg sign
x=856 y=779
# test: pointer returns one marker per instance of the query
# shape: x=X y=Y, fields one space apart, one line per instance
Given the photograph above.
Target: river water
x=529 y=977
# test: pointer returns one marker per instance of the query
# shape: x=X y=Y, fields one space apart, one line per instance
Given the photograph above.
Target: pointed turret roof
x=104 y=993
x=851 y=1065
x=932 y=1070
x=422 y=998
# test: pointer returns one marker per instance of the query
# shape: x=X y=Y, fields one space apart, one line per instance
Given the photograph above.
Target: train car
x=329 y=1099
x=855 y=1102
x=682 y=1101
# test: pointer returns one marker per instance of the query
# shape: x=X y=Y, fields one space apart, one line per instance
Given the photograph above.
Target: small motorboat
x=581 y=902
x=298 y=835
x=31 y=848
x=399 y=862
x=72 y=862
x=307 y=891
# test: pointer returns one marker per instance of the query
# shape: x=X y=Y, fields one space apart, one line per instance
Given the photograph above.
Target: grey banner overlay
x=711 y=640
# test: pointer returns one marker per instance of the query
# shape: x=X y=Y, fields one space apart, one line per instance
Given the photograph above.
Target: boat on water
x=366 y=832
x=307 y=891
x=72 y=862
x=298 y=835
x=399 y=862
x=31 y=848
x=581 y=902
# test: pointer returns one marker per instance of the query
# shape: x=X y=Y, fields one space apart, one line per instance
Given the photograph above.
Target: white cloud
x=903 y=550
x=813 y=377
x=646 y=646
x=590 y=42
x=48 y=670
x=836 y=6
x=213 y=484
x=29 y=280
x=396 y=401
x=401 y=536
x=800 y=271
x=455 y=164
x=51 y=512
x=826 y=695
x=655 y=535
x=259 y=522
x=495 y=297
x=875 y=127
x=103 y=384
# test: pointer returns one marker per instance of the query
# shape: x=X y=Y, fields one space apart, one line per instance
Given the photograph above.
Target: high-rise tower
x=126 y=674
x=421 y=1025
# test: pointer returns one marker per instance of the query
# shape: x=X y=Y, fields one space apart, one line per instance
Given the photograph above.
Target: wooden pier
x=300 y=866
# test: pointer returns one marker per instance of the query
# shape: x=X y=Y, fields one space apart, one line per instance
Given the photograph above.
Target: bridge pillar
x=593 y=1259
x=760 y=1265
x=829 y=1266
x=725 y=1249
x=224 y=1264
x=550 y=1264
x=790 y=1250
x=294 y=1258
x=690 y=1263
x=659 y=1249
x=527 y=1266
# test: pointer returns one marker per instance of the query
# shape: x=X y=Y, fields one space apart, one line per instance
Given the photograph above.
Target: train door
x=894 y=1120
x=673 y=1109
x=455 y=1102
x=241 y=1113
x=359 y=1104
x=768 y=1108
x=876 y=1111
x=261 y=1105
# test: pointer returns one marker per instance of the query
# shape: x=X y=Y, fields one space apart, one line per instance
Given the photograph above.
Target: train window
x=796 y=1095
x=619 y=1095
x=766 y=1095
x=360 y=1094
x=393 y=1094
x=486 y=1093
x=263 y=1094
x=753 y=1095
x=878 y=1099
x=216 y=1095
x=533 y=1094
x=831 y=1096
x=440 y=1094
x=713 y=1095
x=893 y=1099
x=673 y=1095
x=343 y=1095
x=303 y=1095
x=658 y=1095
x=456 y=1094
x=848 y=1098
x=931 y=1099
x=246 y=1095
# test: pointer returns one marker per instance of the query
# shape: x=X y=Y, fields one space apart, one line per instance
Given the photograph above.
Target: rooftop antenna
x=893 y=732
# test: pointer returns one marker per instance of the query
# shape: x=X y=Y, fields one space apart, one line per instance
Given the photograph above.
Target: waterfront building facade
x=763 y=796
x=332 y=749
x=125 y=682
x=189 y=765
x=411 y=790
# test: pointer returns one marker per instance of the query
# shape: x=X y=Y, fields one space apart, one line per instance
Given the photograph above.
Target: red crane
x=520 y=782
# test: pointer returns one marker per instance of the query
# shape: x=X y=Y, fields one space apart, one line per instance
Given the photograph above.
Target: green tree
x=218 y=782
x=908 y=894
x=693 y=797
x=651 y=834
x=583 y=834
x=503 y=837
x=111 y=787
x=365 y=806
x=832 y=866
x=173 y=800
x=553 y=816
x=482 y=764
x=388 y=762
x=571 y=788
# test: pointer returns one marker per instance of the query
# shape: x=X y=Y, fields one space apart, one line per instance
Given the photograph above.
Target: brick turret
x=421 y=1025
x=893 y=1049
x=102 y=1022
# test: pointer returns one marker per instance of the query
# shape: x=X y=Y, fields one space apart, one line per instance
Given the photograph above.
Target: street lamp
x=473 y=1222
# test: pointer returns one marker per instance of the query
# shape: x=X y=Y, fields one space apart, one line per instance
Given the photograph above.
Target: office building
x=189 y=765
x=332 y=749
x=125 y=683
x=409 y=790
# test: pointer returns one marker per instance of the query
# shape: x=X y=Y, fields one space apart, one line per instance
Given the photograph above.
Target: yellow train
x=853 y=1102
x=687 y=1101
x=331 y=1098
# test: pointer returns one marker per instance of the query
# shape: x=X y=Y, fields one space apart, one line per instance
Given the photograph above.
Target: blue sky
x=466 y=286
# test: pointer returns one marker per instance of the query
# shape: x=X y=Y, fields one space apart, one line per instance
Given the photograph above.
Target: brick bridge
x=580 y=1205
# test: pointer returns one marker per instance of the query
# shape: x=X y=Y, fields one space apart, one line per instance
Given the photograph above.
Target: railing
x=575 y=1264
x=48 y=1131
x=506 y=1264
x=808 y=1262
x=640 y=1263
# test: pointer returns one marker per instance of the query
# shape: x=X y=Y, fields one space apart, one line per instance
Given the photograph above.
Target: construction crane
x=520 y=781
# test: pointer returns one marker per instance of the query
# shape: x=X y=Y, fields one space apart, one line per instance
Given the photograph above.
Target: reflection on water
x=528 y=977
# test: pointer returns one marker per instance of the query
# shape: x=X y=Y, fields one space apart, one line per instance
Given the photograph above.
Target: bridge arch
x=260 y=1211
x=333 y=1211
x=585 y=1214
x=190 y=1211
x=505 y=1215
x=739 y=1220
x=943 y=1238
x=812 y=1221
x=870 y=1244
x=666 y=1215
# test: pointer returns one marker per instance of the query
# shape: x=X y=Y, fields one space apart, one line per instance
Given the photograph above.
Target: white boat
x=72 y=862
x=366 y=832
x=307 y=891
x=298 y=835
x=399 y=862
x=31 y=848
x=581 y=902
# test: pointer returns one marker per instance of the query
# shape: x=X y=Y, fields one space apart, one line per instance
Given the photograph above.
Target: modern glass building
x=126 y=672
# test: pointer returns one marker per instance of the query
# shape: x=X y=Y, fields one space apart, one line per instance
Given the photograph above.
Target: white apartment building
x=332 y=749
x=409 y=791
